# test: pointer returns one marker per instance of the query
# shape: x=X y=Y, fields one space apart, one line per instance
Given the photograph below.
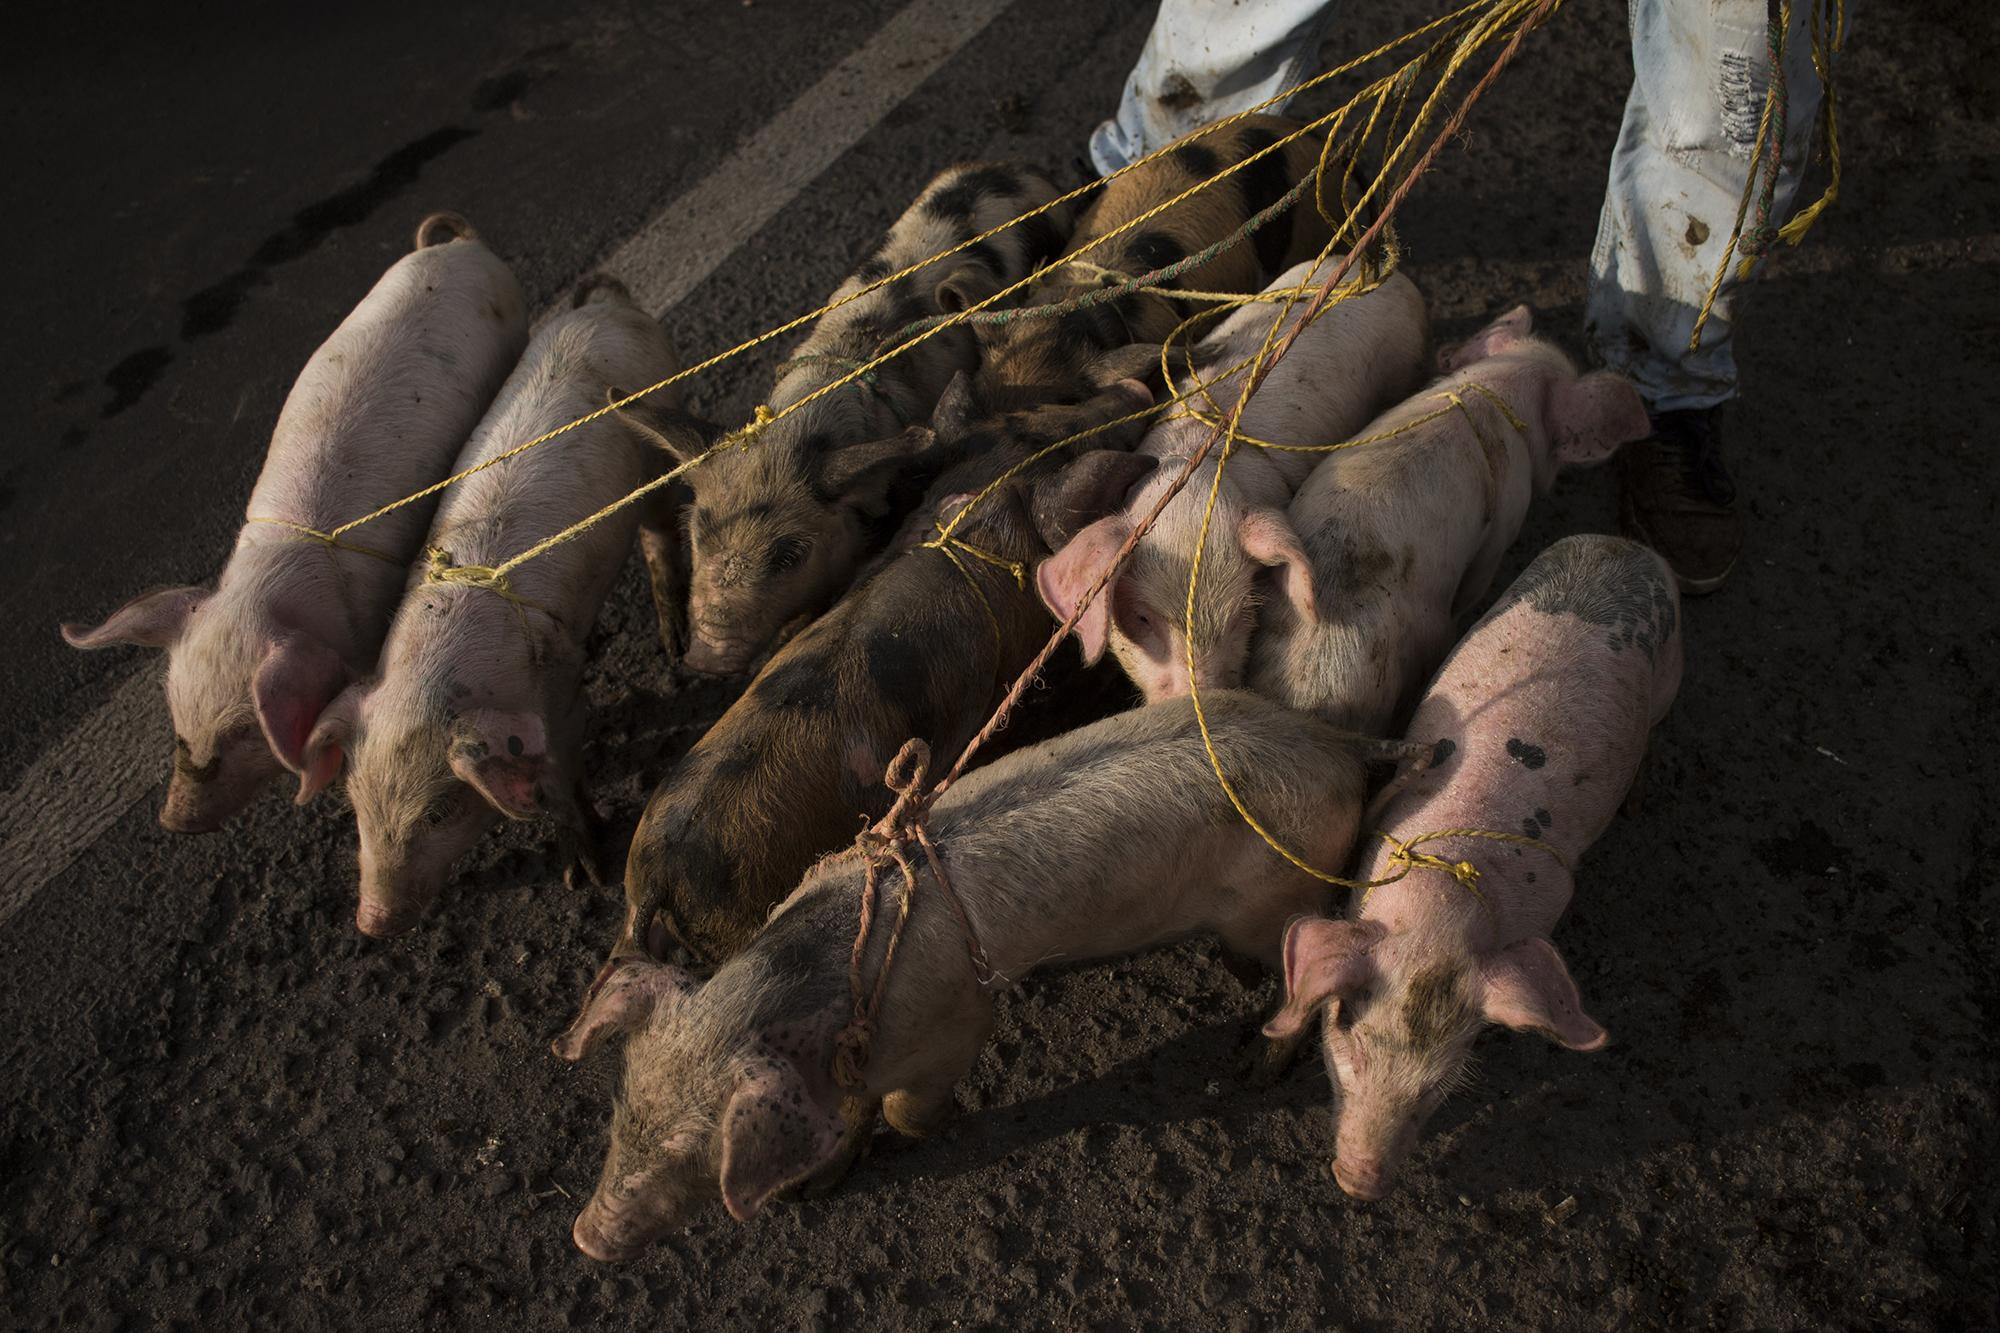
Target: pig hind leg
x=660 y=544
x=581 y=834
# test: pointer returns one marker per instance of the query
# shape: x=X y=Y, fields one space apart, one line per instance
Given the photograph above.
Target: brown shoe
x=1676 y=497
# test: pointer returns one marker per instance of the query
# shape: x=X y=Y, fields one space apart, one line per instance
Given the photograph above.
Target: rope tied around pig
x=329 y=539
x=887 y=843
x=1404 y=853
x=1478 y=21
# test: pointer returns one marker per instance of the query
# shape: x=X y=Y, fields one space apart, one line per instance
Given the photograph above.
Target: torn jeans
x=1700 y=70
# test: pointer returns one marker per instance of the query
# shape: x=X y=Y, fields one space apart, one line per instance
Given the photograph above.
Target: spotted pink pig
x=1538 y=722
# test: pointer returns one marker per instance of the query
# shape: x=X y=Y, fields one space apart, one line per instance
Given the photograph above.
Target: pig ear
x=1066 y=576
x=773 y=1133
x=150 y=620
x=964 y=287
x=1495 y=338
x=1133 y=361
x=326 y=749
x=1590 y=416
x=956 y=408
x=624 y=996
x=1094 y=485
x=860 y=475
x=1267 y=537
x=297 y=679
x=1526 y=987
x=1324 y=960
x=682 y=436
x=504 y=756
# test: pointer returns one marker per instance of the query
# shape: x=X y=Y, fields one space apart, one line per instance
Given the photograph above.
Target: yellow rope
x=1480 y=33
x=765 y=417
x=1829 y=22
x=950 y=547
x=1111 y=277
x=439 y=568
x=324 y=538
x=1477 y=31
x=1404 y=854
x=1829 y=32
x=1455 y=402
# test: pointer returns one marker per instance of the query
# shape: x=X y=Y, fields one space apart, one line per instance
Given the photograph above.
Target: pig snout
x=611 y=1235
x=723 y=638
x=1361 y=1177
x=392 y=901
x=716 y=655
x=201 y=799
x=183 y=813
x=382 y=921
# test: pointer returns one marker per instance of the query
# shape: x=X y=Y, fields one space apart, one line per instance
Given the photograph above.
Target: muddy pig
x=787 y=774
x=378 y=413
x=1538 y=721
x=1404 y=534
x=1359 y=355
x=476 y=714
x=779 y=527
x=1049 y=360
x=1110 y=839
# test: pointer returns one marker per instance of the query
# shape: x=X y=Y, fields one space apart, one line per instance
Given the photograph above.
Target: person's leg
x=1203 y=60
x=1677 y=174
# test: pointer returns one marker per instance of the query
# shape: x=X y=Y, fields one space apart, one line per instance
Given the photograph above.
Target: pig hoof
x=914 y=1120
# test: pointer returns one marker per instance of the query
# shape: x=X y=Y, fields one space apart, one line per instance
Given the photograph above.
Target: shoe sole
x=1690 y=587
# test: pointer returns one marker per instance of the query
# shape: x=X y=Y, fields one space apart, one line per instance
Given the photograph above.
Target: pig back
x=386 y=402
x=569 y=370
x=793 y=770
x=1546 y=704
x=1117 y=835
x=1359 y=356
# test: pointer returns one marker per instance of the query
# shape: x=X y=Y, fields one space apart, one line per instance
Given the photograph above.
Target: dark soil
x=226 y=1108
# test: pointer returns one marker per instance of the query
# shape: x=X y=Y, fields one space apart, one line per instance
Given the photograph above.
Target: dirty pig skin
x=1537 y=724
x=378 y=413
x=1108 y=840
x=475 y=715
x=778 y=528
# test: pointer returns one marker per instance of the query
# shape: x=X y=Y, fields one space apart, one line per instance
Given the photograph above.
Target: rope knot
x=440 y=568
x=744 y=436
x=905 y=776
x=850 y=1052
x=1405 y=854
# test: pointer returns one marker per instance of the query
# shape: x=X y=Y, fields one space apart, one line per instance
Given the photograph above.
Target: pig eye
x=437 y=811
x=786 y=552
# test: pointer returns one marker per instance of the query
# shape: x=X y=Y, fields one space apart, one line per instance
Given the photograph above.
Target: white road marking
x=80 y=786
x=84 y=783
x=691 y=237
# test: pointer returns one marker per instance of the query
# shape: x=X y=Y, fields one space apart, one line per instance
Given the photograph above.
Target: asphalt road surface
x=223 y=1107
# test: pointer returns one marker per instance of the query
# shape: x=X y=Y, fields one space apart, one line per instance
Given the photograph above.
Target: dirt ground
x=226 y=1108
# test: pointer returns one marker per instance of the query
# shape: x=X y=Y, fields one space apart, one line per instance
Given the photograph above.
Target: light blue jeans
x=1700 y=71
